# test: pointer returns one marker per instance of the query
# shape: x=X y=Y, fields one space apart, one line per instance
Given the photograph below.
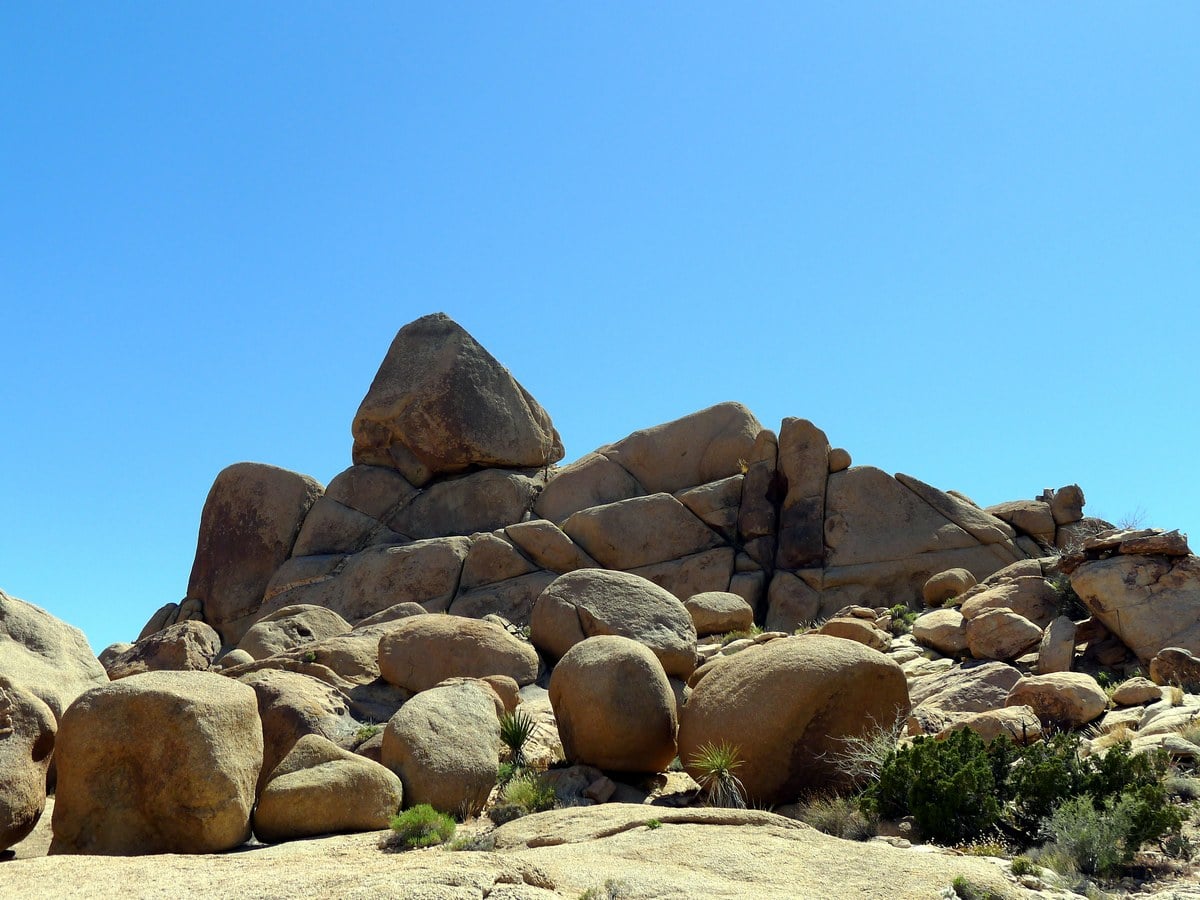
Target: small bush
x=715 y=765
x=730 y=636
x=1023 y=865
x=484 y=843
x=964 y=889
x=612 y=890
x=654 y=824
x=528 y=791
x=838 y=816
x=902 y=619
x=420 y=826
x=366 y=732
x=862 y=756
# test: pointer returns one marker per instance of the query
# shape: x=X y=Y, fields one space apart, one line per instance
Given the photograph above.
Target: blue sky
x=961 y=238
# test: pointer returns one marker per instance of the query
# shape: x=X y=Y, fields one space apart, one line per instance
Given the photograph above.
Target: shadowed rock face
x=441 y=403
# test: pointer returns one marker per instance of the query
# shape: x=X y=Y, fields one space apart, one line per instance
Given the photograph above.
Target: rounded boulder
x=422 y=651
x=291 y=626
x=590 y=602
x=319 y=788
x=27 y=729
x=444 y=744
x=162 y=762
x=614 y=706
x=789 y=708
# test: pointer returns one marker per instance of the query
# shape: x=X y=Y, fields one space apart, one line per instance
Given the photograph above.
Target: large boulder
x=291 y=626
x=640 y=531
x=250 y=521
x=701 y=447
x=1062 y=699
x=1150 y=602
x=614 y=706
x=423 y=651
x=444 y=744
x=319 y=788
x=163 y=762
x=27 y=729
x=292 y=705
x=184 y=647
x=973 y=687
x=441 y=403
x=591 y=602
x=942 y=629
x=804 y=465
x=789 y=707
x=718 y=612
x=45 y=656
x=1000 y=634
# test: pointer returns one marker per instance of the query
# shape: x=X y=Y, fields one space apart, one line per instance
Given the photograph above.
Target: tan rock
x=1033 y=517
x=591 y=602
x=423 y=651
x=791 y=602
x=718 y=612
x=391 y=614
x=188 y=646
x=1149 y=602
x=854 y=629
x=466 y=504
x=1136 y=692
x=762 y=490
x=291 y=705
x=591 y=481
x=548 y=546
x=375 y=491
x=319 y=788
x=299 y=572
x=1063 y=699
x=839 y=460
x=512 y=599
x=444 y=744
x=45 y=656
x=163 y=762
x=441 y=403
x=1057 y=649
x=716 y=504
x=291 y=626
x=946 y=586
x=639 y=531
x=804 y=466
x=1000 y=634
x=705 y=446
x=27 y=729
x=970 y=688
x=1030 y=596
x=250 y=521
x=1176 y=666
x=985 y=528
x=1017 y=723
x=331 y=527
x=710 y=570
x=614 y=706
x=492 y=558
x=506 y=689
x=1067 y=504
x=942 y=629
x=819 y=690
x=425 y=572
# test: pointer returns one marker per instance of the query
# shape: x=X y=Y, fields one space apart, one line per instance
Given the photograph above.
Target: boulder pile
x=703 y=586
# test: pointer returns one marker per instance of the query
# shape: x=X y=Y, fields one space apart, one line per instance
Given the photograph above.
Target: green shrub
x=902 y=619
x=366 y=732
x=948 y=787
x=1023 y=865
x=525 y=793
x=420 y=826
x=715 y=765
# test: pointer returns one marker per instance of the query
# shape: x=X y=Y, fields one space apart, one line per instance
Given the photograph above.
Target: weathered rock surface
x=819 y=690
x=441 y=403
x=640 y=531
x=1000 y=634
x=27 y=729
x=1017 y=723
x=942 y=629
x=946 y=586
x=423 y=651
x=291 y=626
x=614 y=706
x=973 y=687
x=319 y=788
x=183 y=647
x=1176 y=666
x=1063 y=699
x=250 y=522
x=1057 y=649
x=45 y=656
x=444 y=744
x=591 y=602
x=718 y=612
x=163 y=762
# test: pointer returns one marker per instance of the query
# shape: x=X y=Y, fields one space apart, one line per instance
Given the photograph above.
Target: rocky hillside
x=707 y=613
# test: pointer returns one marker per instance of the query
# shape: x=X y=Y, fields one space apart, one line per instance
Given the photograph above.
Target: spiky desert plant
x=515 y=730
x=715 y=765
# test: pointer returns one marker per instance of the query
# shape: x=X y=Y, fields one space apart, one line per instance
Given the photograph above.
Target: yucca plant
x=515 y=730
x=714 y=765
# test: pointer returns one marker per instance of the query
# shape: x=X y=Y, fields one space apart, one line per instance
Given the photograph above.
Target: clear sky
x=960 y=237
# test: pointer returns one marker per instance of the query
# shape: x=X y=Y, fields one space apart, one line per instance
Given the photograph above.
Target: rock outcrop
x=27 y=729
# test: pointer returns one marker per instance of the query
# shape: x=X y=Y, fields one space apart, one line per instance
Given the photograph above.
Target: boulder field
x=704 y=585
